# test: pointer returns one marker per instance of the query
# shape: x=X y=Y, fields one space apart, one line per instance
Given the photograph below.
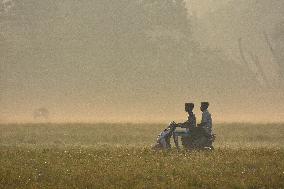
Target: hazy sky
x=113 y=61
x=202 y=7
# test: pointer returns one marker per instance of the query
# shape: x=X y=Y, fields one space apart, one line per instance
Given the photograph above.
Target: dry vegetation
x=119 y=156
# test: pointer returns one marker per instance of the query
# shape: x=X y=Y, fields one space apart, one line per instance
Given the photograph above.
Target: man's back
x=206 y=121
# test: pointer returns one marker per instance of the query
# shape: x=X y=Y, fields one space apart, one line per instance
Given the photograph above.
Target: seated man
x=188 y=125
x=206 y=121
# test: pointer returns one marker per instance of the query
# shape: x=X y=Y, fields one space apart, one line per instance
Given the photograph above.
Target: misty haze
x=141 y=94
x=141 y=60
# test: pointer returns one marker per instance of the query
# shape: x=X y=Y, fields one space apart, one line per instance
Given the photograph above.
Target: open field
x=119 y=156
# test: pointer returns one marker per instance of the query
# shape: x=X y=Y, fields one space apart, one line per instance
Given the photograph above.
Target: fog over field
x=140 y=60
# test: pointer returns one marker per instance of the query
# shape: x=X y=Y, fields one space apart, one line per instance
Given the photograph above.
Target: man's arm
x=202 y=124
x=184 y=125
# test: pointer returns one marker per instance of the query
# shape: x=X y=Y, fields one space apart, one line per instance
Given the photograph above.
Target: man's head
x=188 y=107
x=204 y=106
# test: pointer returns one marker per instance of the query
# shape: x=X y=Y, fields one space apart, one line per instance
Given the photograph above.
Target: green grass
x=119 y=156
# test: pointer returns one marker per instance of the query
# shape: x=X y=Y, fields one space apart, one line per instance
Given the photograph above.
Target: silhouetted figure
x=206 y=121
x=188 y=125
x=191 y=120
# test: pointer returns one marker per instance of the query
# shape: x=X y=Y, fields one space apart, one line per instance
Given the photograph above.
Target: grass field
x=119 y=156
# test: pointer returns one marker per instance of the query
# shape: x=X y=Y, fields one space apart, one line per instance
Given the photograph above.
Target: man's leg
x=177 y=134
x=208 y=137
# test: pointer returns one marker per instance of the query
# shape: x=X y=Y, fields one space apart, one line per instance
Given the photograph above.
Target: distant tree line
x=128 y=28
